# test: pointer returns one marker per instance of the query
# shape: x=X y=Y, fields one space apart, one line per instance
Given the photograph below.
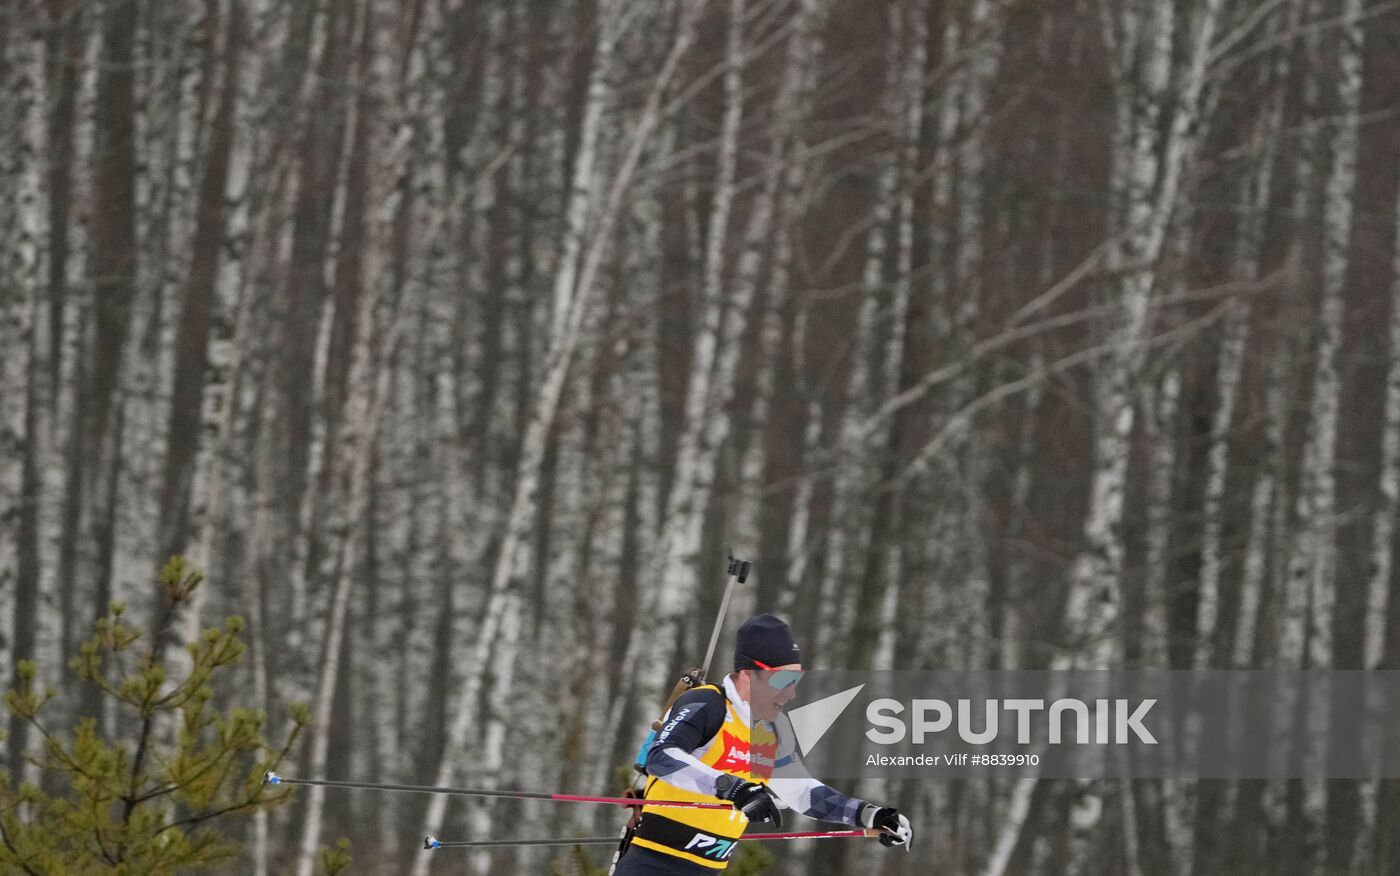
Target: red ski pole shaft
x=432 y=843
x=273 y=779
x=814 y=834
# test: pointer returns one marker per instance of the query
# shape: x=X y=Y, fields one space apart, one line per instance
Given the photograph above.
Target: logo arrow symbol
x=810 y=722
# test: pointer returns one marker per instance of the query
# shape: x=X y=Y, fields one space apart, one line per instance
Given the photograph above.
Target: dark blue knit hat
x=765 y=641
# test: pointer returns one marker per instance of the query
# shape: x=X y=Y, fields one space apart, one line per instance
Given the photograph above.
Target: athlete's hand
x=894 y=828
x=753 y=799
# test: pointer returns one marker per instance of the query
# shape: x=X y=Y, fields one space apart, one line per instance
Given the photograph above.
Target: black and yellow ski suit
x=707 y=739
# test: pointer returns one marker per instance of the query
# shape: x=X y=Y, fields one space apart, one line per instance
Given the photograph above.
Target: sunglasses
x=780 y=679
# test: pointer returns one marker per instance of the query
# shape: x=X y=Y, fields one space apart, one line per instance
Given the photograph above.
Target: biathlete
x=724 y=741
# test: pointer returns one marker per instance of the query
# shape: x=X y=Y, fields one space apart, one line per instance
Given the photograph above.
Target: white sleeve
x=796 y=789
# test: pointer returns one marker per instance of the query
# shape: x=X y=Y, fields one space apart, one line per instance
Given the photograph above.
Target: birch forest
x=458 y=341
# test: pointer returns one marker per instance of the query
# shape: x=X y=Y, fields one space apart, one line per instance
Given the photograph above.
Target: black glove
x=894 y=828
x=755 y=800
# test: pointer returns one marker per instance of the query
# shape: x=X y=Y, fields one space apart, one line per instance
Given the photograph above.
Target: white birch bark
x=799 y=524
x=1177 y=797
x=1150 y=193
x=910 y=90
x=438 y=511
x=1297 y=548
x=747 y=520
x=1247 y=260
x=514 y=546
x=804 y=51
x=227 y=356
x=707 y=392
x=21 y=228
x=379 y=324
x=1310 y=588
x=1255 y=200
x=1229 y=369
x=259 y=502
x=627 y=460
x=564 y=569
x=871 y=376
x=1012 y=636
x=303 y=626
x=1091 y=608
x=985 y=25
x=844 y=536
x=1337 y=223
x=1147 y=173
x=1317 y=500
x=1388 y=508
x=1263 y=504
x=368 y=384
x=799 y=527
x=1162 y=418
x=1383 y=522
x=500 y=615
x=1293 y=621
x=507 y=77
x=1382 y=549
x=644 y=426
x=1228 y=372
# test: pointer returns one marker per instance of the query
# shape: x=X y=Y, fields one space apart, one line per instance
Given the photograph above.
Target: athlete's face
x=771 y=689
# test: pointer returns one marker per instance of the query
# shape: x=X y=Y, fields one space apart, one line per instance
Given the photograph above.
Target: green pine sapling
x=157 y=797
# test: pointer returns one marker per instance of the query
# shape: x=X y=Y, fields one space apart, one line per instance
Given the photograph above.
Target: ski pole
x=271 y=778
x=738 y=571
x=432 y=842
x=814 y=834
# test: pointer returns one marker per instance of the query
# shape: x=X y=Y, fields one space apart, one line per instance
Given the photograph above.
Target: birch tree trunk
x=867 y=604
x=1248 y=255
x=1162 y=413
x=1290 y=535
x=1306 y=635
x=677 y=563
x=1012 y=625
x=62 y=61
x=515 y=544
x=863 y=381
x=1147 y=174
x=302 y=445
x=22 y=313
x=1317 y=504
x=196 y=316
x=114 y=270
x=1317 y=500
x=909 y=87
x=1383 y=523
x=1150 y=192
x=1257 y=194
x=985 y=25
x=1382 y=549
x=643 y=490
x=1230 y=367
x=798 y=551
x=369 y=388
x=1293 y=620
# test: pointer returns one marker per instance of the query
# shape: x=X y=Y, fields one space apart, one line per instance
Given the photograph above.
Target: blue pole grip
x=641 y=760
